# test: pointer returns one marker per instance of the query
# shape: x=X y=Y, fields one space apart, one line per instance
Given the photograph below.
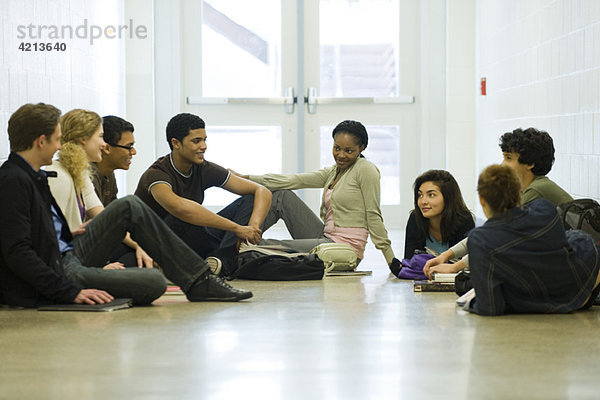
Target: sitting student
x=174 y=188
x=521 y=258
x=350 y=210
x=530 y=153
x=116 y=154
x=440 y=218
x=41 y=262
x=73 y=190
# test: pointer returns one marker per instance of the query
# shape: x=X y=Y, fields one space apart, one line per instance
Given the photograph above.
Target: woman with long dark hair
x=440 y=218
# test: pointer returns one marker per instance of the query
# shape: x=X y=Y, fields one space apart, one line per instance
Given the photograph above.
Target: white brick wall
x=460 y=108
x=542 y=64
x=84 y=76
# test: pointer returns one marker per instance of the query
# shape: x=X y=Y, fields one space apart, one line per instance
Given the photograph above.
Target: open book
x=439 y=283
x=431 y=286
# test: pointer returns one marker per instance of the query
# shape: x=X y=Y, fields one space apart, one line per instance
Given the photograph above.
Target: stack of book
x=439 y=283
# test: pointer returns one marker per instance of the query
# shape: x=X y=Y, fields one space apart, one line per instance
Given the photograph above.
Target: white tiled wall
x=83 y=76
x=460 y=102
x=542 y=63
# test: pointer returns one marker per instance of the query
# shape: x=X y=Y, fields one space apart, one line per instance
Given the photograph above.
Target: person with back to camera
x=521 y=259
x=530 y=153
x=440 y=218
x=350 y=207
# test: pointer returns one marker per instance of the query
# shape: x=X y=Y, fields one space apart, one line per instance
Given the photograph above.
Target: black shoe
x=597 y=301
x=395 y=266
x=213 y=288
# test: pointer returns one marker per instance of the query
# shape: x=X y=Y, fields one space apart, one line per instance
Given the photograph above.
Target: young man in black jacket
x=42 y=262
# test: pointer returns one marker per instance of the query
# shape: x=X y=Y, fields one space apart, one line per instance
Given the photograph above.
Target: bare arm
x=238 y=174
x=440 y=264
x=143 y=259
x=196 y=214
x=262 y=197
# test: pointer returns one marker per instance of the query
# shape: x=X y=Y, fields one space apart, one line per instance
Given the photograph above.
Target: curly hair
x=180 y=125
x=455 y=210
x=355 y=129
x=534 y=147
x=76 y=125
x=500 y=187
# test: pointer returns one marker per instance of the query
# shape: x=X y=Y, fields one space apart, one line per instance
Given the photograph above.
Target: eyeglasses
x=128 y=148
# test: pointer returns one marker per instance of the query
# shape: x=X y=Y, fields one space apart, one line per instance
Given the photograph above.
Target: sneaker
x=213 y=288
x=215 y=265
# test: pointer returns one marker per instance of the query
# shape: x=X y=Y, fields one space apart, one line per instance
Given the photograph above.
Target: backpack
x=276 y=263
x=583 y=214
x=337 y=257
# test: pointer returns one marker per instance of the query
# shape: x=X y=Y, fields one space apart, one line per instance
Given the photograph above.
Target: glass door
x=272 y=78
x=240 y=75
x=353 y=57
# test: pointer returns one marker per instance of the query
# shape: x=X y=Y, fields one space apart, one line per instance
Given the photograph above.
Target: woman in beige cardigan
x=350 y=207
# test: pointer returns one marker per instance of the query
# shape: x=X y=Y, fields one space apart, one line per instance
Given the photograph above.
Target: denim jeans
x=305 y=228
x=208 y=241
x=93 y=249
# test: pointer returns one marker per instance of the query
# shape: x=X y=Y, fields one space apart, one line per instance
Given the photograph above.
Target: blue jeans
x=215 y=242
x=93 y=249
x=207 y=241
x=305 y=228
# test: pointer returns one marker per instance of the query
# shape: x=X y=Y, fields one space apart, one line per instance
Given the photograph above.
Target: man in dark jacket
x=41 y=262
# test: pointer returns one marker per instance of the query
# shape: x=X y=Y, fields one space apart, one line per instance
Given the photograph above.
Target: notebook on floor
x=431 y=286
x=116 y=304
x=173 y=290
x=348 y=273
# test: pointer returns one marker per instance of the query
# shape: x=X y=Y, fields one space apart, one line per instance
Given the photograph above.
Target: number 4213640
x=58 y=46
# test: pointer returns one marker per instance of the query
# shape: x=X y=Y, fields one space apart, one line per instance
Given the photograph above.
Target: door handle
x=288 y=100
x=312 y=100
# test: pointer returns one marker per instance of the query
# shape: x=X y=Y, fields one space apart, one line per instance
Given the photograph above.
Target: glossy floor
x=340 y=338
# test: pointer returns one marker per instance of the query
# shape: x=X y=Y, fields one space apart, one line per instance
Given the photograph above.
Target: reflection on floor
x=340 y=338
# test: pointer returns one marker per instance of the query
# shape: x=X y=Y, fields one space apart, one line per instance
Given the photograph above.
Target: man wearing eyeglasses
x=117 y=154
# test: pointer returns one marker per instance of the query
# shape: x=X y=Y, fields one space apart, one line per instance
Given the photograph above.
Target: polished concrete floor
x=341 y=338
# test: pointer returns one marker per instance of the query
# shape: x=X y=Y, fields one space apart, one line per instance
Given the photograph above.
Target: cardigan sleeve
x=460 y=249
x=63 y=191
x=316 y=179
x=370 y=188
